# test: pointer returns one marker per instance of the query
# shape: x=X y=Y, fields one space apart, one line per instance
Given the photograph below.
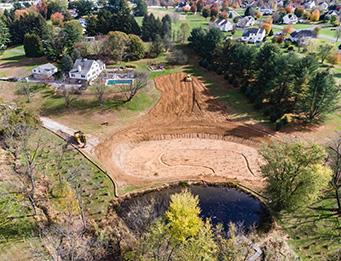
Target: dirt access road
x=187 y=135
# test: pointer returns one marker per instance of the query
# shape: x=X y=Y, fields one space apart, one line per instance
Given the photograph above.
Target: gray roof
x=252 y=31
x=85 y=65
x=303 y=33
x=46 y=67
x=265 y=7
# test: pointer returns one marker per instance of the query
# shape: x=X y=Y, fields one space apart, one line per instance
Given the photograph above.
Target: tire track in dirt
x=184 y=108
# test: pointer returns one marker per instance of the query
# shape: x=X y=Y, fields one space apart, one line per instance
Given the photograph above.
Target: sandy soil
x=186 y=135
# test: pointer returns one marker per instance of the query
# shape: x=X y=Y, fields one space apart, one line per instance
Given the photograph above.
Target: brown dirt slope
x=185 y=110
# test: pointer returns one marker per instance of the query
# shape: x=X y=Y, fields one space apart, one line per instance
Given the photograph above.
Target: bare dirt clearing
x=186 y=127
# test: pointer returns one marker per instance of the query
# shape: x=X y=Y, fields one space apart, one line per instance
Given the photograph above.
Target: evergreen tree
x=118 y=7
x=31 y=23
x=151 y=27
x=33 y=46
x=321 y=97
x=4 y=36
x=76 y=54
x=212 y=39
x=157 y=46
x=141 y=8
x=92 y=25
x=66 y=63
x=197 y=38
x=72 y=35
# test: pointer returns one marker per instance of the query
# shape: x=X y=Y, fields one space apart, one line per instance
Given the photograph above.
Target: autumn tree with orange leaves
x=315 y=15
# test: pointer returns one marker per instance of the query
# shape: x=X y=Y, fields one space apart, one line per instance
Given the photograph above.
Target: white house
x=309 y=4
x=280 y=3
x=253 y=35
x=82 y=22
x=87 y=70
x=224 y=25
x=247 y=21
x=290 y=19
x=332 y=13
x=233 y=14
x=324 y=5
x=44 y=71
x=72 y=12
x=300 y=37
x=266 y=9
x=183 y=4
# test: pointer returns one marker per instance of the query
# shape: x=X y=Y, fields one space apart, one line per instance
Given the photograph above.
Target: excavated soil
x=187 y=135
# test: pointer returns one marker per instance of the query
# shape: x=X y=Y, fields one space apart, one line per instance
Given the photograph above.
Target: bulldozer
x=80 y=137
x=188 y=78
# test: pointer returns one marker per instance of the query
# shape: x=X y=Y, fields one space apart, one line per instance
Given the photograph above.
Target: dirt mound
x=186 y=110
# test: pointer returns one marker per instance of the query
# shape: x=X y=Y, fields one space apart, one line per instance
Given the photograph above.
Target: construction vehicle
x=80 y=137
x=188 y=78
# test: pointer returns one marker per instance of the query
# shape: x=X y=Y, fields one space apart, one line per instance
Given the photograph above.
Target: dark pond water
x=221 y=205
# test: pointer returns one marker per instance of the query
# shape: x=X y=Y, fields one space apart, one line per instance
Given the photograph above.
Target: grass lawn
x=328 y=32
x=315 y=231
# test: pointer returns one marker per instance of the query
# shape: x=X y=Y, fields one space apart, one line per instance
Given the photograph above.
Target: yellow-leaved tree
x=183 y=216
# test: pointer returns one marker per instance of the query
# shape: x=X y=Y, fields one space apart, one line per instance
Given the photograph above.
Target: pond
x=220 y=204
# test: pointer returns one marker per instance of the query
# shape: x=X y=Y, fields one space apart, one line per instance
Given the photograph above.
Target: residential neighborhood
x=170 y=130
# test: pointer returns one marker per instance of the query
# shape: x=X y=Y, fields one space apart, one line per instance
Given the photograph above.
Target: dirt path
x=188 y=114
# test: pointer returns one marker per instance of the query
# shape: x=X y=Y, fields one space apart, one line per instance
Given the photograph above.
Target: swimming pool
x=119 y=82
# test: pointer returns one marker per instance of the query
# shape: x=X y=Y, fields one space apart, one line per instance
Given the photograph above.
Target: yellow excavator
x=80 y=137
x=188 y=78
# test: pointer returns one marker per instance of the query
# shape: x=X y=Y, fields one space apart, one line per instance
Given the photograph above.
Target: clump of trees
x=295 y=173
x=182 y=235
x=275 y=82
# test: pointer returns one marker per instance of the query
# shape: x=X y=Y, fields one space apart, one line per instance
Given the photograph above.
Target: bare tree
x=175 y=17
x=76 y=176
x=59 y=159
x=25 y=88
x=100 y=89
x=131 y=90
x=167 y=42
x=25 y=168
x=69 y=96
x=335 y=163
x=338 y=33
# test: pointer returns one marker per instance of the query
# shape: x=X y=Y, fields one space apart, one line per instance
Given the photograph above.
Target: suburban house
x=290 y=19
x=253 y=35
x=280 y=3
x=233 y=14
x=44 y=71
x=266 y=9
x=224 y=25
x=332 y=13
x=247 y=21
x=301 y=37
x=89 y=39
x=183 y=4
x=72 y=12
x=87 y=70
x=324 y=5
x=309 y=4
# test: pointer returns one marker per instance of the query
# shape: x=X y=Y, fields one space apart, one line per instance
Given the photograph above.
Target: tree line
x=275 y=82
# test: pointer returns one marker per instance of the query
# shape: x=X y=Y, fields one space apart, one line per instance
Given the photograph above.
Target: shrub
x=259 y=104
x=244 y=86
x=235 y=83
x=219 y=70
x=231 y=79
x=253 y=97
x=205 y=63
x=226 y=76
x=273 y=116
x=279 y=125
x=215 y=66
x=210 y=67
x=268 y=111
x=286 y=44
x=201 y=61
x=248 y=92
x=131 y=66
x=291 y=48
x=177 y=57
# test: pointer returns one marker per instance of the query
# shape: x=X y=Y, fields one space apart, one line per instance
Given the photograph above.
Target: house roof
x=221 y=22
x=291 y=16
x=265 y=7
x=85 y=65
x=303 y=33
x=252 y=31
x=46 y=67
